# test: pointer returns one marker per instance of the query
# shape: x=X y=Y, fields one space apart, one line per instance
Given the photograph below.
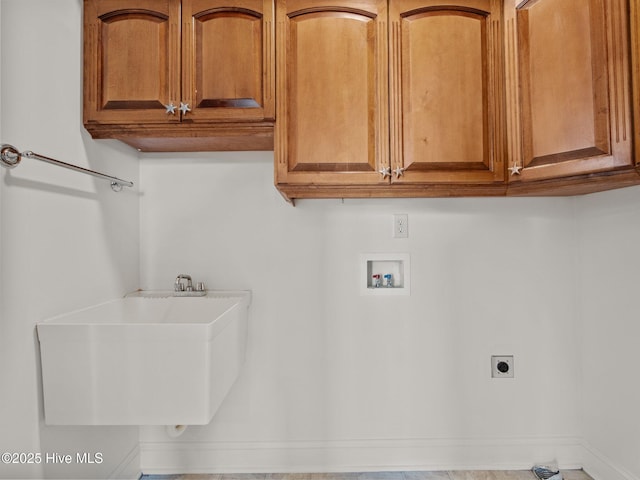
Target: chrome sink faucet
x=182 y=290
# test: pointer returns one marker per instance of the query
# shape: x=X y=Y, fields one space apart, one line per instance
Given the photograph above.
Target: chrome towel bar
x=10 y=157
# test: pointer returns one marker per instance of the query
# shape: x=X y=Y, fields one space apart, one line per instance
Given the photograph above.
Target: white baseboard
x=360 y=455
x=129 y=468
x=600 y=467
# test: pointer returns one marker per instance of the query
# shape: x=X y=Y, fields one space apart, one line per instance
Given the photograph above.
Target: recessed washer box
x=397 y=265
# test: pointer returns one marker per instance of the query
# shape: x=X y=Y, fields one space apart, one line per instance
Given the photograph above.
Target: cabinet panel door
x=131 y=60
x=332 y=92
x=228 y=59
x=446 y=91
x=634 y=23
x=574 y=79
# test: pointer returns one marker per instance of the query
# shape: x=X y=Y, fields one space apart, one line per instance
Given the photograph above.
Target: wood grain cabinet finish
x=228 y=59
x=399 y=98
x=573 y=114
x=447 y=90
x=132 y=60
x=484 y=97
x=332 y=66
x=634 y=25
x=213 y=57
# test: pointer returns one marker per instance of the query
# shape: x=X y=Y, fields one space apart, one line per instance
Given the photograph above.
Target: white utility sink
x=147 y=359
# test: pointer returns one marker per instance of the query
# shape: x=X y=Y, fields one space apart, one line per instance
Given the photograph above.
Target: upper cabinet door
x=447 y=91
x=131 y=60
x=228 y=59
x=572 y=60
x=332 y=126
x=634 y=22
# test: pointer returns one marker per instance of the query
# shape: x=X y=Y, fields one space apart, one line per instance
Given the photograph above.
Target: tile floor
x=452 y=475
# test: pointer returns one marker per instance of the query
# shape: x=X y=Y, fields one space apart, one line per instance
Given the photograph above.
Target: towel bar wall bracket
x=10 y=157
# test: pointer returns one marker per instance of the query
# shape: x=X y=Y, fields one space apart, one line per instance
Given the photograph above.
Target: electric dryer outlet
x=502 y=366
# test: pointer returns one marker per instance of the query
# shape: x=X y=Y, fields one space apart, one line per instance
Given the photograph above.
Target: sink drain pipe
x=175 y=431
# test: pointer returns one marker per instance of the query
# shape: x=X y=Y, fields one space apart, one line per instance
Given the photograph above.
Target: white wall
x=609 y=276
x=67 y=240
x=333 y=380
x=332 y=376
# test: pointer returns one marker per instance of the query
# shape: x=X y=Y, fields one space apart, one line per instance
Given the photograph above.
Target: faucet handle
x=200 y=287
x=179 y=286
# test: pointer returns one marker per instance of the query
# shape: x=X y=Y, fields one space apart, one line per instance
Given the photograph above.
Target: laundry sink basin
x=146 y=359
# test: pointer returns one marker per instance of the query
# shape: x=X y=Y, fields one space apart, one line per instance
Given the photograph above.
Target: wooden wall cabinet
x=447 y=91
x=474 y=97
x=634 y=26
x=389 y=98
x=572 y=119
x=180 y=75
x=385 y=98
x=332 y=92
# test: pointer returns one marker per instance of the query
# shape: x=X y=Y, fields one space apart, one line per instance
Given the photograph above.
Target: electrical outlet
x=401 y=225
x=502 y=366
